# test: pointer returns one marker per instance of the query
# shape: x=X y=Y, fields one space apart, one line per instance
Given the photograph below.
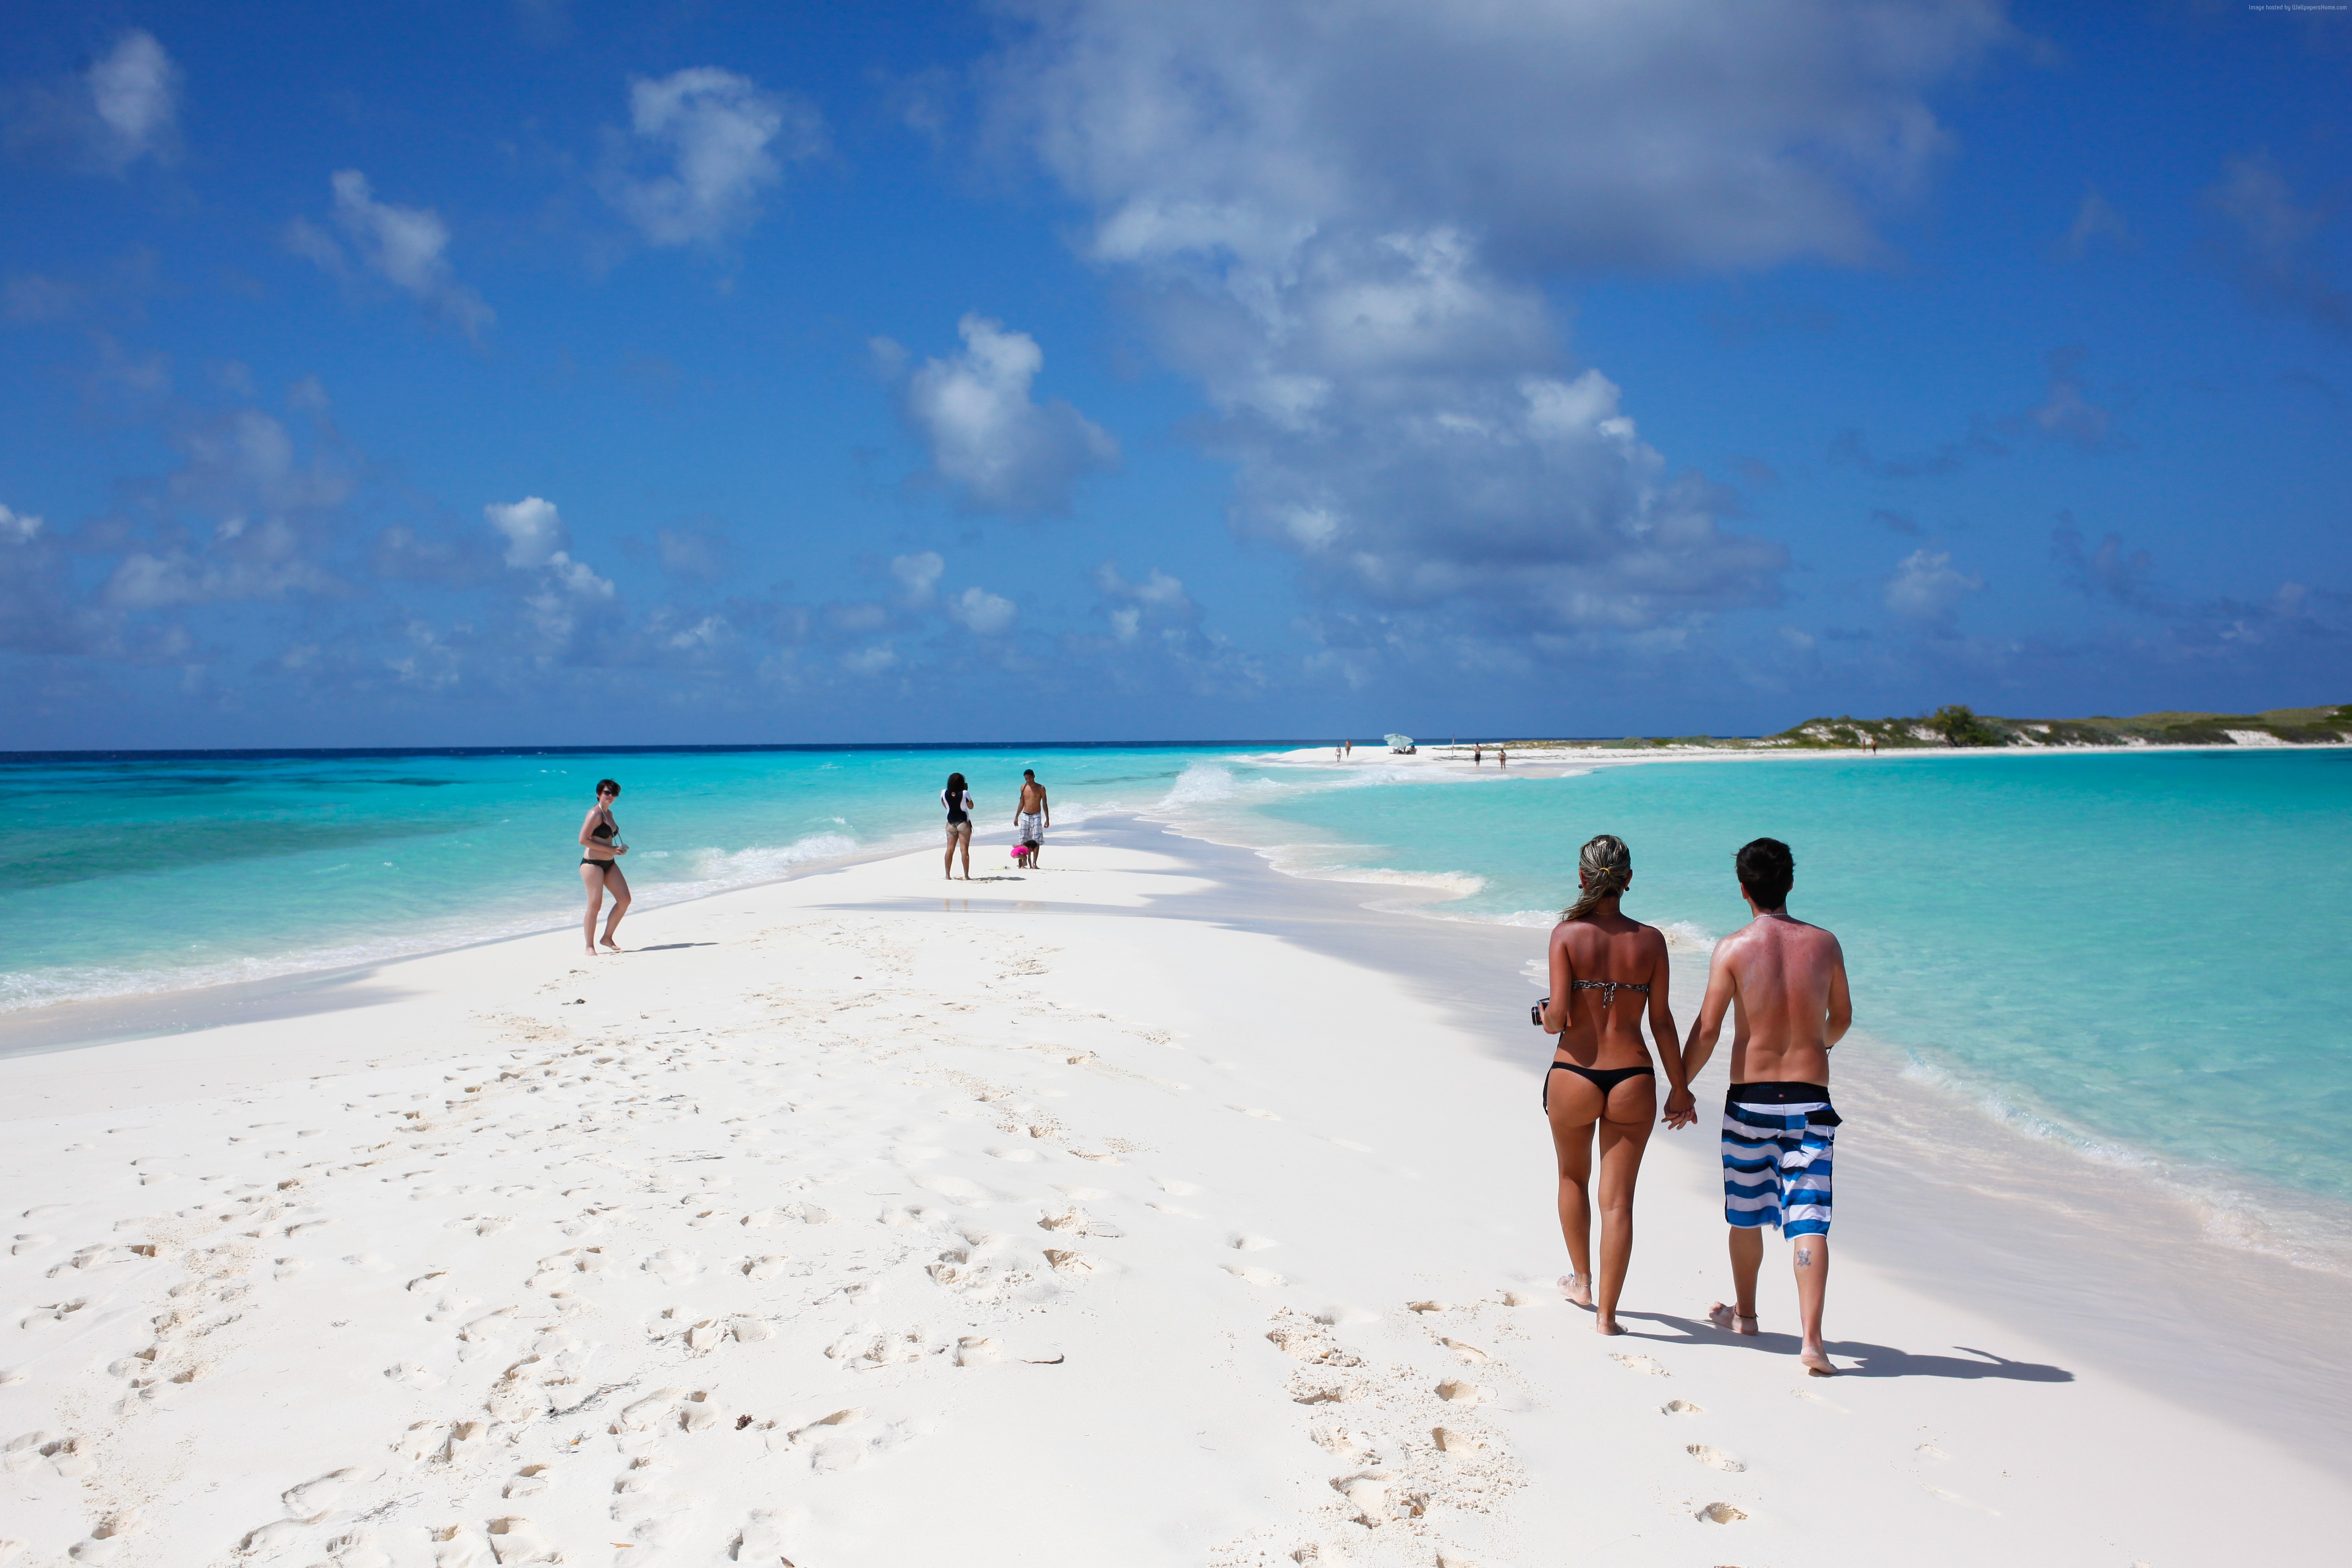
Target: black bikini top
x=606 y=830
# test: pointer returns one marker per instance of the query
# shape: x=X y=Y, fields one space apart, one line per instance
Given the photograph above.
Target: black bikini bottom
x=1603 y=1078
x=609 y=866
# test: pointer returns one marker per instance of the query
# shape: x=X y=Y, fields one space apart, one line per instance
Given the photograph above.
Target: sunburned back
x=1790 y=978
x=1607 y=956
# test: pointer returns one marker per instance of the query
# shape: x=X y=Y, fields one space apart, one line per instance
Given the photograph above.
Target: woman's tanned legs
x=1620 y=1125
x=1625 y=1133
x=618 y=886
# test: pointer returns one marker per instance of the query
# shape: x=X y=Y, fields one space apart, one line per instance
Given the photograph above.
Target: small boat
x=1401 y=744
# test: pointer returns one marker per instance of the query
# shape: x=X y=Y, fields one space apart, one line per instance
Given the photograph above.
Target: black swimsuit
x=1603 y=1078
x=606 y=830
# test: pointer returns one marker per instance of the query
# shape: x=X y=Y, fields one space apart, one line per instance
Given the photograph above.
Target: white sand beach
x=1110 y=1214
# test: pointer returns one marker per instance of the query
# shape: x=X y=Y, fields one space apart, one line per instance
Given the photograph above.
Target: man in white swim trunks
x=1034 y=815
x=1785 y=982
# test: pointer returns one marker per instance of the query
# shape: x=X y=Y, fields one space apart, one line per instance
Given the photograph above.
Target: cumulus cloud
x=531 y=527
x=917 y=575
x=2274 y=243
x=404 y=246
x=1343 y=222
x=1001 y=448
x=123 y=108
x=1577 y=133
x=1158 y=602
x=982 y=613
x=536 y=541
x=1926 y=587
x=18 y=528
x=703 y=146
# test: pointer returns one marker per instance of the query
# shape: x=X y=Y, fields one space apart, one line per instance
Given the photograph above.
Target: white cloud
x=720 y=140
x=981 y=612
x=536 y=538
x=135 y=89
x=1344 y=223
x=1003 y=451
x=1926 y=586
x=533 y=530
x=404 y=246
x=917 y=575
x=125 y=106
x=869 y=660
x=18 y=528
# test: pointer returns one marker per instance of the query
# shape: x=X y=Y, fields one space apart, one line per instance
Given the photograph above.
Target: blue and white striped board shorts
x=1776 y=1141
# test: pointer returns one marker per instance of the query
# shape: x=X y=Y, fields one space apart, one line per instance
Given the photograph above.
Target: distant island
x=1958 y=725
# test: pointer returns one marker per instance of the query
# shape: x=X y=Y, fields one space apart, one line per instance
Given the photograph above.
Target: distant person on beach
x=1346 y=749
x=1502 y=758
x=1785 y=983
x=958 y=800
x=1478 y=756
x=600 y=866
x=1601 y=1080
x=1034 y=816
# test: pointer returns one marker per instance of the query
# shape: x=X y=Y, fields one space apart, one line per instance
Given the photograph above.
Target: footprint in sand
x=1679 y=1407
x=1245 y=1242
x=1451 y=1442
x=1721 y=1514
x=1255 y=1276
x=1177 y=1189
x=1254 y=1110
x=1471 y=1353
x=1639 y=1363
x=1454 y=1391
x=1714 y=1457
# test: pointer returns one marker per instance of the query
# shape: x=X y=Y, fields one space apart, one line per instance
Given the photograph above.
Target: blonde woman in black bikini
x=600 y=866
x=1606 y=971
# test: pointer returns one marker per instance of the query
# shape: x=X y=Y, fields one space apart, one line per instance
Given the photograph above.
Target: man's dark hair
x=1767 y=871
x=1028 y=772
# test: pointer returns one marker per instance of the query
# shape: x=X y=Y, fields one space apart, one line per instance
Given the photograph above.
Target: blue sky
x=560 y=372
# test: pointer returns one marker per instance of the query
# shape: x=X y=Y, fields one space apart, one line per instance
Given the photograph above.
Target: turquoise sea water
x=2150 y=954
x=138 y=876
x=2144 y=955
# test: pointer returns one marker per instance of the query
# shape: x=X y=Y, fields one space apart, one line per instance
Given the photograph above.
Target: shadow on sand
x=672 y=946
x=1871 y=1361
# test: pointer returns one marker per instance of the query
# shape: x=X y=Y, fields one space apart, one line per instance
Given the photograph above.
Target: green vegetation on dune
x=1956 y=724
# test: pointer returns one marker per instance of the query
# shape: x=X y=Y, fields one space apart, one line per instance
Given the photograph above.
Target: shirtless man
x=1784 y=982
x=1034 y=816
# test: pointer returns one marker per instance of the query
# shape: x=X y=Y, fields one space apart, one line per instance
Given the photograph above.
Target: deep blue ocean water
x=2146 y=955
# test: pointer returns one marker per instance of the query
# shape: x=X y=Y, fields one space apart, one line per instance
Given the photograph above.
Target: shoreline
x=1248 y=1179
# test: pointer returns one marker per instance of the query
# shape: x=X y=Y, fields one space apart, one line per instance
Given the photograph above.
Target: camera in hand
x=1535 y=1014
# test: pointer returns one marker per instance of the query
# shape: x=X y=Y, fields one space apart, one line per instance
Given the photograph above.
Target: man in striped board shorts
x=1784 y=983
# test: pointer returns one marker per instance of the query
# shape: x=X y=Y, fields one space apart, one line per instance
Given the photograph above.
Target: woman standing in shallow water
x=1600 y=1087
x=600 y=866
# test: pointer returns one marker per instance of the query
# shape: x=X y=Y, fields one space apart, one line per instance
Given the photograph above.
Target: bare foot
x=1730 y=1320
x=610 y=945
x=1606 y=1326
x=1576 y=1288
x=1816 y=1364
